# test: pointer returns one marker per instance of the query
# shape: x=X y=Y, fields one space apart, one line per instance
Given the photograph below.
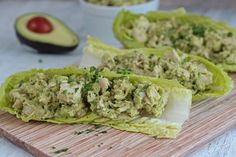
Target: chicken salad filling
x=43 y=97
x=191 y=74
x=219 y=46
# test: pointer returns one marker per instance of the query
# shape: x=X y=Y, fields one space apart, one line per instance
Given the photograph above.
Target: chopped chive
x=230 y=34
x=64 y=92
x=61 y=151
x=78 y=133
x=103 y=132
x=88 y=131
x=198 y=30
x=97 y=126
x=92 y=68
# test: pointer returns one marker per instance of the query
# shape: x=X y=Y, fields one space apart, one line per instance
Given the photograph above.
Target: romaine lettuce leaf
x=124 y=17
x=181 y=15
x=168 y=126
x=222 y=83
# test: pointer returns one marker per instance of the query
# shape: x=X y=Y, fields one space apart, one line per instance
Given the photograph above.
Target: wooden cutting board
x=209 y=119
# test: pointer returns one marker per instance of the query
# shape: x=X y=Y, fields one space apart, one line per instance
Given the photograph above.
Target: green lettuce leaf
x=168 y=126
x=125 y=17
x=222 y=83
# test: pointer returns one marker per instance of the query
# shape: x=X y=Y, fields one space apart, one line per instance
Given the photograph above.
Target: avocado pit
x=39 y=25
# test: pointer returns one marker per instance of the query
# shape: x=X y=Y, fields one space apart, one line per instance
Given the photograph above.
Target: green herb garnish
x=88 y=131
x=78 y=133
x=64 y=92
x=103 y=132
x=124 y=71
x=92 y=69
x=230 y=34
x=199 y=30
x=88 y=87
x=61 y=151
x=51 y=108
x=97 y=126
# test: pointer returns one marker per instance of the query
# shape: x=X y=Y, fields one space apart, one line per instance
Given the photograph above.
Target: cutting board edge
x=36 y=152
x=20 y=143
x=202 y=144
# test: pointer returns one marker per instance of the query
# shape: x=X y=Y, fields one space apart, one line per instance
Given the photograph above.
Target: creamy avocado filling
x=43 y=97
x=218 y=46
x=191 y=74
x=123 y=99
x=117 y=2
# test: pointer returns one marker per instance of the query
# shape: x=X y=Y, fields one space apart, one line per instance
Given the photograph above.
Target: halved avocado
x=58 y=39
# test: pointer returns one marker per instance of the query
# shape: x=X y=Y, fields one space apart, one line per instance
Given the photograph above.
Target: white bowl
x=98 y=20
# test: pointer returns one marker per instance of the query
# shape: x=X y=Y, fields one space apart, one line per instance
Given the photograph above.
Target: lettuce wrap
x=168 y=125
x=190 y=33
x=220 y=84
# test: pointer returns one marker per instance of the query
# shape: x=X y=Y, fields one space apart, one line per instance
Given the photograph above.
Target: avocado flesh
x=60 y=40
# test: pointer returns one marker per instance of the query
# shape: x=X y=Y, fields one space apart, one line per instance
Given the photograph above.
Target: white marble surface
x=14 y=57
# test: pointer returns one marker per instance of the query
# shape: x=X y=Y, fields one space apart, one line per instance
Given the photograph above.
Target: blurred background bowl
x=98 y=19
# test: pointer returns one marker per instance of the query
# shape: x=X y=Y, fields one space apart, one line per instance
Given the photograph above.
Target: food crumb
x=99 y=145
x=40 y=61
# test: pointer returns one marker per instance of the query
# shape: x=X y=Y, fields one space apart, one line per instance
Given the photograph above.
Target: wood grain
x=209 y=119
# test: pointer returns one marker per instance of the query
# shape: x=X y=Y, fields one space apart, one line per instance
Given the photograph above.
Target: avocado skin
x=44 y=47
